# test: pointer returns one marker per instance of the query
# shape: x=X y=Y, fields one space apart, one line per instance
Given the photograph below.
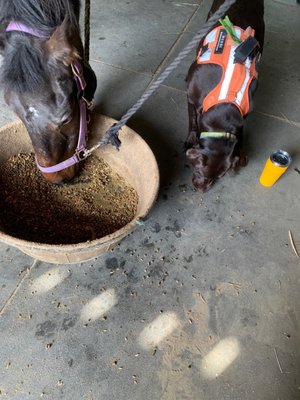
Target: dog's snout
x=201 y=183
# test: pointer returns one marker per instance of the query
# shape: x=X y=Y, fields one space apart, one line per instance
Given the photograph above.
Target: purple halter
x=19 y=27
x=77 y=70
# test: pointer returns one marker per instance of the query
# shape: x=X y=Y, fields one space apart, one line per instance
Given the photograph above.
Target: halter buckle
x=81 y=154
x=76 y=69
x=88 y=103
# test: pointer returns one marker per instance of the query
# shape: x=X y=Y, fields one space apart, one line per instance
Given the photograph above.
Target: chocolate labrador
x=220 y=86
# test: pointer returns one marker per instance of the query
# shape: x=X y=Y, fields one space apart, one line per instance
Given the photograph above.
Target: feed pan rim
x=115 y=236
x=126 y=229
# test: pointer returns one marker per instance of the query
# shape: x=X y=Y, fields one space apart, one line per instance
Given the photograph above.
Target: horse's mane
x=22 y=66
x=43 y=15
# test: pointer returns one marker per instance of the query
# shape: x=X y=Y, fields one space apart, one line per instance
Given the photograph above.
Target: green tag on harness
x=228 y=26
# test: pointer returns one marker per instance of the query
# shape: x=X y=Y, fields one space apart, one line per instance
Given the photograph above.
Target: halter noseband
x=84 y=104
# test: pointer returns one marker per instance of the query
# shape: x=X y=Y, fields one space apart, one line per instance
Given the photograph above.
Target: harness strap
x=226 y=135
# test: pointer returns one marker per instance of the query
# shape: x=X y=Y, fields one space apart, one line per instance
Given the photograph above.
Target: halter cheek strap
x=84 y=105
x=79 y=154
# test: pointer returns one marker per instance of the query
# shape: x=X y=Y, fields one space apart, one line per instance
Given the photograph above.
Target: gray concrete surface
x=202 y=302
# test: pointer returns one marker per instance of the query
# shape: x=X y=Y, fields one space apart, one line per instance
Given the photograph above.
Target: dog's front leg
x=191 y=139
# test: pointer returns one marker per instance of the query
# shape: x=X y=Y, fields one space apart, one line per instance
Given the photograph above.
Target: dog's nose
x=207 y=186
x=202 y=184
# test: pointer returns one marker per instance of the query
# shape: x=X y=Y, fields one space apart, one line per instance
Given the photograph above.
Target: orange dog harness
x=219 y=48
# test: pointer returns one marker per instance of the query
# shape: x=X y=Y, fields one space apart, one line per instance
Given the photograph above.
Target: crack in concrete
x=14 y=292
x=282 y=119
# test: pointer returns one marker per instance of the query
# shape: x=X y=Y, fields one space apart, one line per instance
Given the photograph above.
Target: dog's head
x=211 y=156
x=211 y=159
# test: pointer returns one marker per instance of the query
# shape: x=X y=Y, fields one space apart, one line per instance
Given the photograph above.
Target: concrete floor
x=202 y=302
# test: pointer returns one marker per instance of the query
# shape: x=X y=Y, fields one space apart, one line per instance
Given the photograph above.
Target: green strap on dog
x=228 y=26
x=223 y=135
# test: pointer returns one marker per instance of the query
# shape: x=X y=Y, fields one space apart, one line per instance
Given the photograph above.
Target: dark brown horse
x=42 y=53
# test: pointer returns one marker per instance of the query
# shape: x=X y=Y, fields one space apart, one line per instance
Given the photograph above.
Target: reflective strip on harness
x=218 y=48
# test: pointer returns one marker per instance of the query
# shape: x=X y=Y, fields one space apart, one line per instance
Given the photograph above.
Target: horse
x=45 y=80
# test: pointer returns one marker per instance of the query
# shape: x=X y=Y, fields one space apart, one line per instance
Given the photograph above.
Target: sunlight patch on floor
x=220 y=357
x=99 y=306
x=158 y=330
x=49 y=280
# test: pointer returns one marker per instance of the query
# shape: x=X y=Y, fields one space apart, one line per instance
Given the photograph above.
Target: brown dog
x=216 y=117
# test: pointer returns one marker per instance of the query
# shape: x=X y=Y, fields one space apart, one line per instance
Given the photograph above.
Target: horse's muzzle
x=62 y=176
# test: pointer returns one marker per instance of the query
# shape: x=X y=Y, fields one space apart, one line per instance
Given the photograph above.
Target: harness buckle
x=76 y=69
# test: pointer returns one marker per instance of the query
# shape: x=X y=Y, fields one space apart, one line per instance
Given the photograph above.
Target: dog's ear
x=196 y=156
x=193 y=153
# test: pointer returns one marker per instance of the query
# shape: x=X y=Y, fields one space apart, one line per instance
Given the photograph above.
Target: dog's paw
x=238 y=161
x=243 y=160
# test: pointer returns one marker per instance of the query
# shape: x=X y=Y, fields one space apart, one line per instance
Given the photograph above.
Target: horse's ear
x=2 y=38
x=63 y=43
x=2 y=46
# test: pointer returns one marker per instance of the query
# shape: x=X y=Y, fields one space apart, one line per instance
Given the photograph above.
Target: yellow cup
x=276 y=165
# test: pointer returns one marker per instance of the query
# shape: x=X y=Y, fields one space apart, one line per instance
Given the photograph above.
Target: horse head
x=42 y=88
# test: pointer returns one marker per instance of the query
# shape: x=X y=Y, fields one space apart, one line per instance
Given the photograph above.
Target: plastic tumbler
x=276 y=165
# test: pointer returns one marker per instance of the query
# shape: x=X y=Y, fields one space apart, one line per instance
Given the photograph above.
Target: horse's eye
x=65 y=121
x=29 y=115
x=62 y=80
